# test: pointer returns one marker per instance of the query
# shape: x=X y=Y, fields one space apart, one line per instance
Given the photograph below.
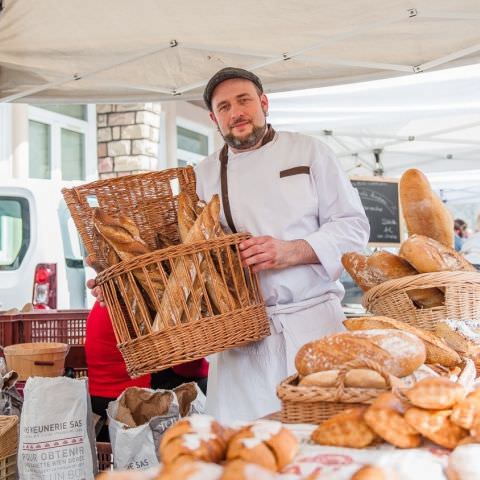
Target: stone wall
x=127 y=138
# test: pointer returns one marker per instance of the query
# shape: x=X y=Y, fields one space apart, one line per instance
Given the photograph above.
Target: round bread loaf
x=399 y=352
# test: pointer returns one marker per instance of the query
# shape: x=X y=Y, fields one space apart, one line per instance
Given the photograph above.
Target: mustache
x=238 y=122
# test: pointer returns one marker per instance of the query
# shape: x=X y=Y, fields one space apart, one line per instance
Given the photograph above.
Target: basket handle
x=41 y=363
x=353 y=364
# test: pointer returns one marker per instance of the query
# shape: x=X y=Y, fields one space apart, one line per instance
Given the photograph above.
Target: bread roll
x=240 y=470
x=382 y=266
x=435 y=393
x=400 y=353
x=427 y=255
x=437 y=350
x=424 y=212
x=436 y=426
x=193 y=470
x=371 y=472
x=198 y=437
x=345 y=429
x=467 y=411
x=385 y=418
x=265 y=443
x=355 y=378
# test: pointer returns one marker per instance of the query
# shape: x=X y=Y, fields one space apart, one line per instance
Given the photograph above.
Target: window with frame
x=194 y=143
x=58 y=140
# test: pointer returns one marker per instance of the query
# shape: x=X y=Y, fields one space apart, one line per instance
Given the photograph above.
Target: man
x=289 y=192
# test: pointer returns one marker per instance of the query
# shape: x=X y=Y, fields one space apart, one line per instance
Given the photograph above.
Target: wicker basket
x=462 y=298
x=311 y=404
x=8 y=467
x=8 y=435
x=156 y=330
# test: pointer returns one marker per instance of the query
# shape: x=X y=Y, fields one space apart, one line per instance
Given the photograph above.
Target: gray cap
x=228 y=73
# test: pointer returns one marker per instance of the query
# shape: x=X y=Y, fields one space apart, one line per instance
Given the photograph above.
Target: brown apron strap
x=224 y=179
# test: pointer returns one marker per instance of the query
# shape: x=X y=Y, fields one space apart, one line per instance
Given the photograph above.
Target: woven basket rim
x=421 y=280
x=6 y=423
x=168 y=253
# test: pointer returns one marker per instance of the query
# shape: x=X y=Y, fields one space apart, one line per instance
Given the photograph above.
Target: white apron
x=242 y=382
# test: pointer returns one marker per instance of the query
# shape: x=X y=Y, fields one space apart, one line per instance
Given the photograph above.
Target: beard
x=248 y=141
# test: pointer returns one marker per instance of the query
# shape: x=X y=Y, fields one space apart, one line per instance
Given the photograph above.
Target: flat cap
x=228 y=73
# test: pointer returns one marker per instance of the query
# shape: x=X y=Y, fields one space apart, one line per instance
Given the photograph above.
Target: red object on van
x=45 y=286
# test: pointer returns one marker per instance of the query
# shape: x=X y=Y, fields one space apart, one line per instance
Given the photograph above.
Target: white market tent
x=101 y=51
x=127 y=51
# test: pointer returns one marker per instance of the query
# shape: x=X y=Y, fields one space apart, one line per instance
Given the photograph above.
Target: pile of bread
x=183 y=289
x=429 y=247
x=400 y=349
x=198 y=447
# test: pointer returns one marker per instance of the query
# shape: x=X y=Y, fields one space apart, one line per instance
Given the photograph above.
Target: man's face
x=239 y=112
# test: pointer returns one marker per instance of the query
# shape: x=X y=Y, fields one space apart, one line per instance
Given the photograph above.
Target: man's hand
x=92 y=285
x=268 y=253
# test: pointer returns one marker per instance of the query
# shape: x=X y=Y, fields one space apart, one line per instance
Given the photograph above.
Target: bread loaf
x=462 y=335
x=198 y=437
x=437 y=350
x=345 y=429
x=424 y=212
x=381 y=266
x=265 y=443
x=427 y=255
x=400 y=353
x=355 y=378
x=385 y=418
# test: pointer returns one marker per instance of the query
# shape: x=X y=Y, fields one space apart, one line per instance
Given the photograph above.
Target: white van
x=41 y=257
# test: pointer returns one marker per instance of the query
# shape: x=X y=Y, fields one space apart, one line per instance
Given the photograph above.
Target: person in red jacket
x=107 y=372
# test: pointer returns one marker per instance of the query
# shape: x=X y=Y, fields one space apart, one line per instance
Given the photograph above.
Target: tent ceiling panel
x=119 y=50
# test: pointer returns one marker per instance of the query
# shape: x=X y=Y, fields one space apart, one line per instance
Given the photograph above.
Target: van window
x=14 y=231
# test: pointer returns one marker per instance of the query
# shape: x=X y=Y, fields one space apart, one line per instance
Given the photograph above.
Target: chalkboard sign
x=380 y=200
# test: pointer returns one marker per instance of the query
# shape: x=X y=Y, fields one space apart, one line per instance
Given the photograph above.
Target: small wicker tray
x=462 y=298
x=8 y=435
x=310 y=404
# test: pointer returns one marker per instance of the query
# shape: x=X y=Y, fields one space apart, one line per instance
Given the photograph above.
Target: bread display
x=265 y=443
x=345 y=429
x=437 y=350
x=435 y=393
x=381 y=266
x=427 y=255
x=436 y=426
x=400 y=353
x=385 y=418
x=424 y=212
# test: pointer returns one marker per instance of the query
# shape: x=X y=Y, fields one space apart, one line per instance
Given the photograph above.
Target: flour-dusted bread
x=400 y=353
x=381 y=266
x=462 y=335
x=265 y=443
x=424 y=212
x=437 y=350
x=427 y=256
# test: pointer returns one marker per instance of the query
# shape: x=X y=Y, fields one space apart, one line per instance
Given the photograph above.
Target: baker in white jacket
x=290 y=193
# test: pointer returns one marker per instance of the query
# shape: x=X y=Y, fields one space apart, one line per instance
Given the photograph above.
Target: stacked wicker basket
x=147 y=339
x=8 y=447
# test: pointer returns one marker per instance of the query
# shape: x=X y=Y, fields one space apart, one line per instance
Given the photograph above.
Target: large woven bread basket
x=462 y=298
x=8 y=435
x=312 y=404
x=175 y=304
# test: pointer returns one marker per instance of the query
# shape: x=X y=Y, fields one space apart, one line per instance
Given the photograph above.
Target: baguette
x=400 y=353
x=382 y=266
x=437 y=350
x=424 y=212
x=427 y=255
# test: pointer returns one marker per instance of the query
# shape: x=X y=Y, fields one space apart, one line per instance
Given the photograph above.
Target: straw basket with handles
x=156 y=331
x=462 y=298
x=315 y=404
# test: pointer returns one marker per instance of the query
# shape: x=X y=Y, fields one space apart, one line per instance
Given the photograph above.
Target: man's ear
x=213 y=118
x=264 y=103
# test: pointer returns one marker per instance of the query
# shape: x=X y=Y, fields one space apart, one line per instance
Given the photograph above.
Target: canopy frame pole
x=78 y=76
x=447 y=58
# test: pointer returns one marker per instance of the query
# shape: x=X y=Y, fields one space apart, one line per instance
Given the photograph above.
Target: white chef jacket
x=321 y=207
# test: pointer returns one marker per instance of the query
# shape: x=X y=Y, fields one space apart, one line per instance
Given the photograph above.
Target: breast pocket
x=297 y=189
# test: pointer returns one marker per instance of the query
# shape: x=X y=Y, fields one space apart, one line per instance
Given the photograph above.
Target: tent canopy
x=94 y=51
